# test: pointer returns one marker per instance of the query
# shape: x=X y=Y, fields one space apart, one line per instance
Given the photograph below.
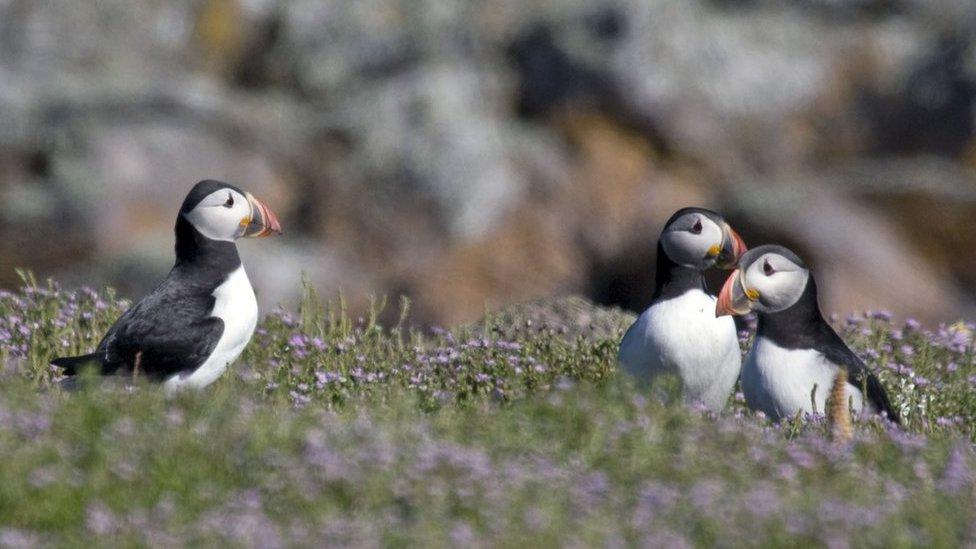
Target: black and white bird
x=679 y=333
x=199 y=319
x=796 y=356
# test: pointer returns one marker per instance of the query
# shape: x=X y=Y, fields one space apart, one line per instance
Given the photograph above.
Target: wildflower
x=957 y=474
x=325 y=378
x=882 y=315
x=704 y=494
x=763 y=501
x=959 y=340
x=462 y=535
x=100 y=520
x=17 y=539
x=298 y=399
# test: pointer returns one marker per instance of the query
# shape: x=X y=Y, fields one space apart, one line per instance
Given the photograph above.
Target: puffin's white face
x=779 y=282
x=228 y=214
x=222 y=215
x=695 y=240
x=768 y=283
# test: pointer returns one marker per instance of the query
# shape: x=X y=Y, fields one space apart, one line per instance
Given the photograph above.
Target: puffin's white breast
x=681 y=335
x=236 y=305
x=781 y=382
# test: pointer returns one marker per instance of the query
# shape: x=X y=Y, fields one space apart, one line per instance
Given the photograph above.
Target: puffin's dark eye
x=230 y=201
x=697 y=229
x=767 y=268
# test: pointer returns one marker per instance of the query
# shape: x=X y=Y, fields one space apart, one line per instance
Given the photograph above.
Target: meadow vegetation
x=343 y=431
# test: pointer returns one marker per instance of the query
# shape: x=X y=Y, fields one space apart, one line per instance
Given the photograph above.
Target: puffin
x=679 y=333
x=188 y=330
x=796 y=357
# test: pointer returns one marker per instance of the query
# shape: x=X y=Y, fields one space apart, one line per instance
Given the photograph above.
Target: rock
x=474 y=154
x=863 y=230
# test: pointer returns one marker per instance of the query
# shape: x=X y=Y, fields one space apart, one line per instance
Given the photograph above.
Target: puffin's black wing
x=166 y=333
x=859 y=375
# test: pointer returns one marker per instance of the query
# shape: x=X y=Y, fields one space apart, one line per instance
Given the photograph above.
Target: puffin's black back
x=802 y=326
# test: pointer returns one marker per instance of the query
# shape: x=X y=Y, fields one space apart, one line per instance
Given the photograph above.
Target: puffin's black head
x=701 y=239
x=220 y=211
x=769 y=279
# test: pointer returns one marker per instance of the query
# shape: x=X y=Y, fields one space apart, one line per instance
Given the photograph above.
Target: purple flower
x=882 y=315
x=100 y=520
x=801 y=456
x=325 y=378
x=462 y=535
x=705 y=494
x=17 y=539
x=959 y=340
x=763 y=501
x=298 y=399
x=958 y=475
x=659 y=497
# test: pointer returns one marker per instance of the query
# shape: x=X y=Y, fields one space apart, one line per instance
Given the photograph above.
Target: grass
x=340 y=431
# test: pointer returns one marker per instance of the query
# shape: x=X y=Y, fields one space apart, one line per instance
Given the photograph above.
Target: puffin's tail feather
x=72 y=365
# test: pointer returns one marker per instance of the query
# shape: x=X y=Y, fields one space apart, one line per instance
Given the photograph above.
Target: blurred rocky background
x=481 y=153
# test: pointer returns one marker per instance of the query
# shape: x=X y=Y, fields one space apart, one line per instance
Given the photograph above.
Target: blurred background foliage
x=473 y=153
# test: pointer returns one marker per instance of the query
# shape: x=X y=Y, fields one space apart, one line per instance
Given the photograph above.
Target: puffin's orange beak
x=732 y=248
x=734 y=299
x=262 y=221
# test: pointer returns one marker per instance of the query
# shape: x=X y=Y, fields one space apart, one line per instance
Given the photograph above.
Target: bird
x=797 y=356
x=679 y=333
x=200 y=318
